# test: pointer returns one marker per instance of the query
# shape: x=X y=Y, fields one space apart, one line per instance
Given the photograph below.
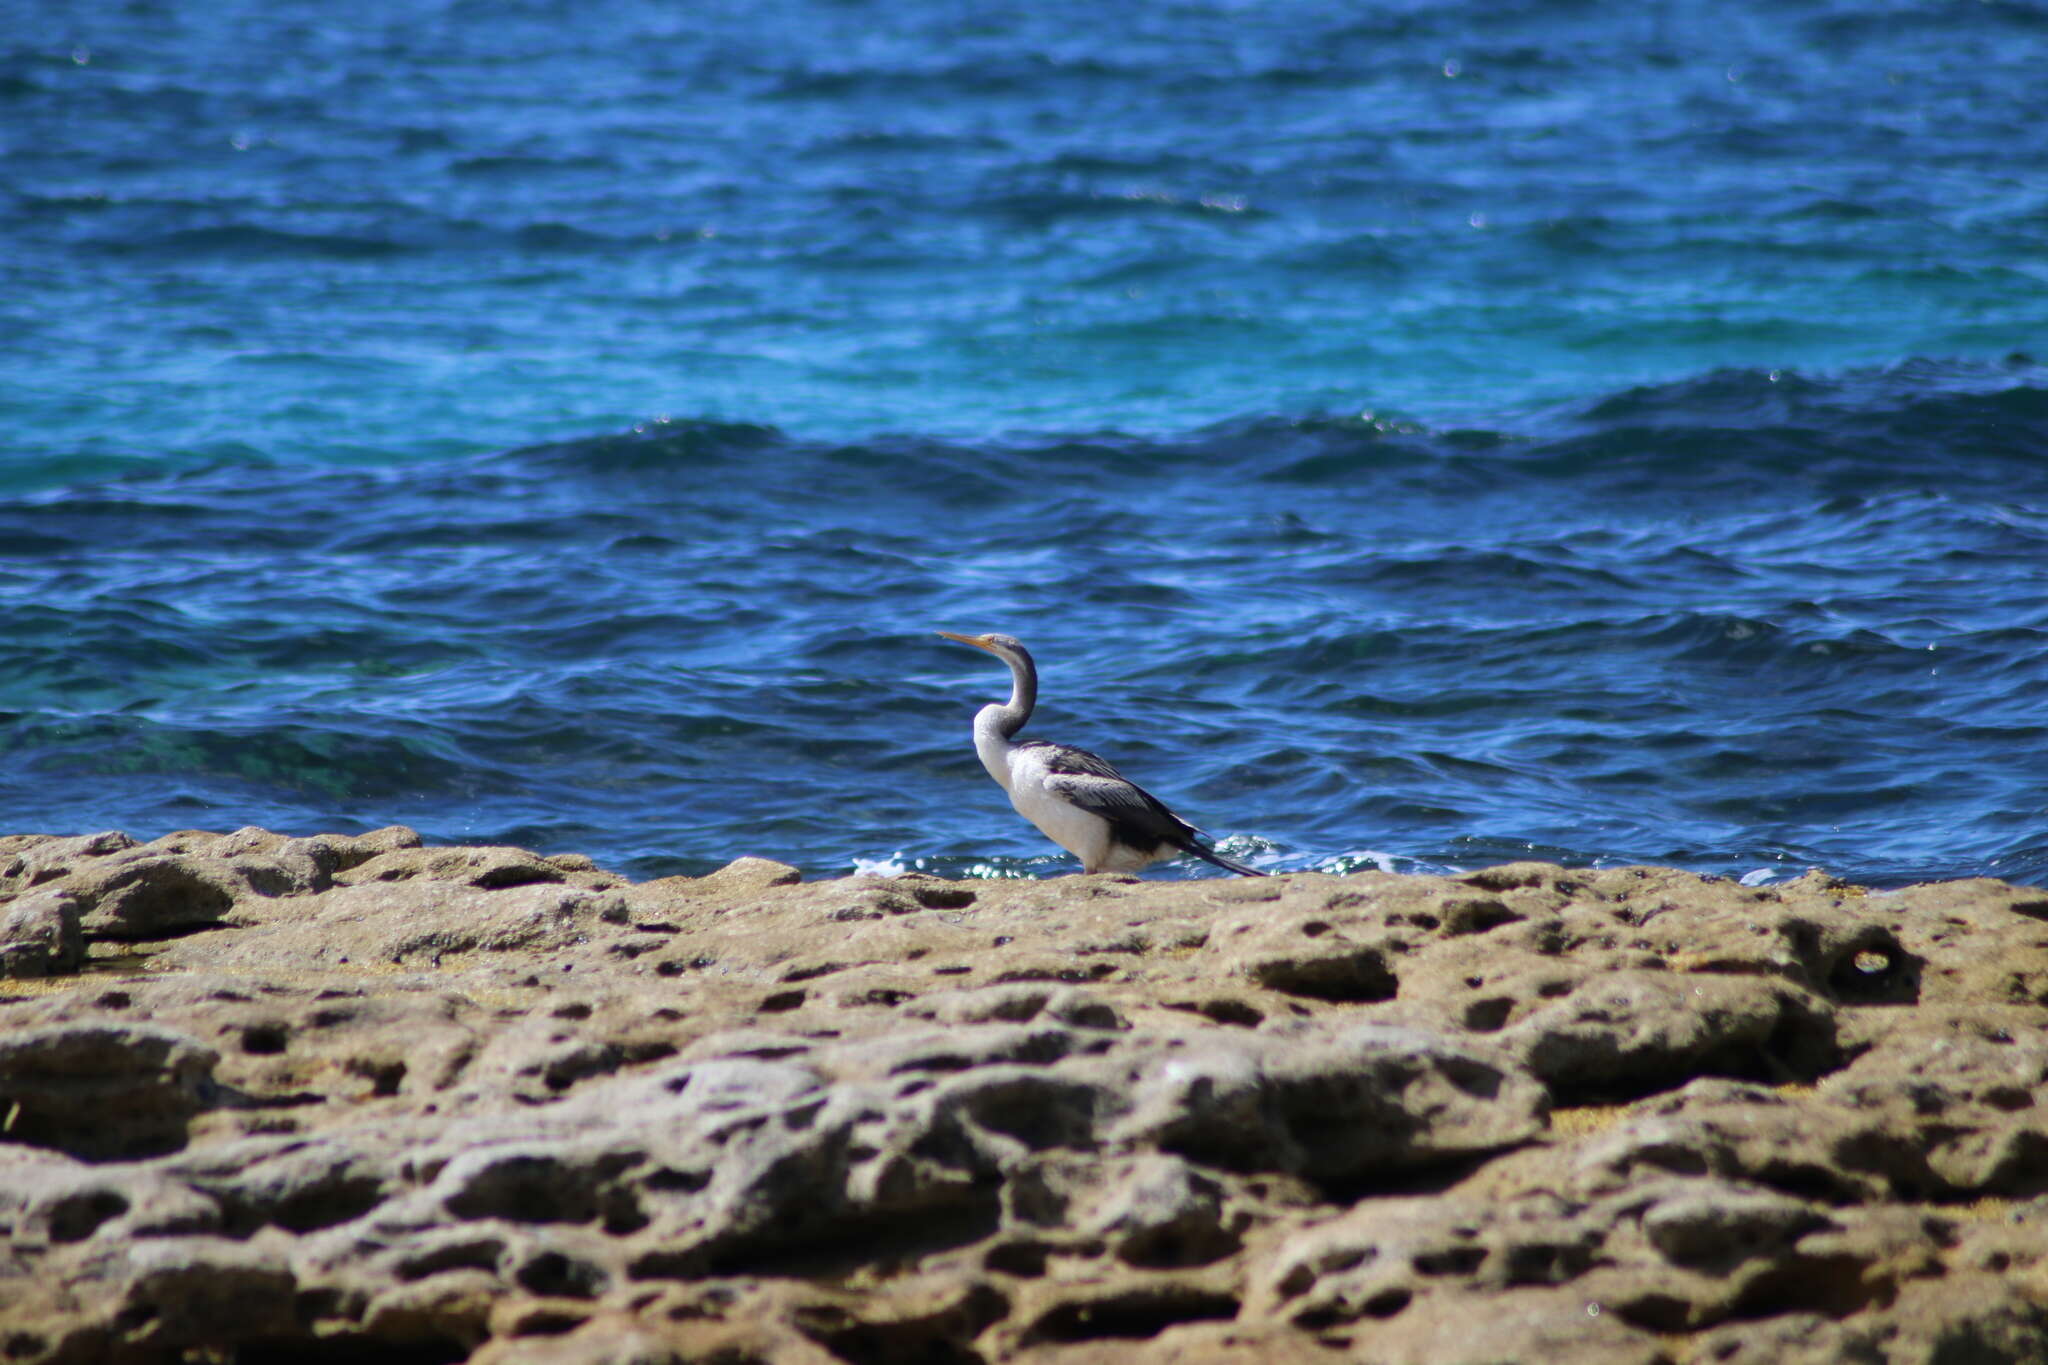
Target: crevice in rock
x=1359 y=977
x=1094 y=971
x=938 y=1338
x=1042 y=1047
x=1433 y=1177
x=22 y=1345
x=1221 y=1010
x=1802 y=1048
x=538 y=1189
x=1040 y=1112
x=1475 y=915
x=220 y=1096
x=1656 y=1311
x=479 y=1253
x=1025 y=1260
x=351 y=1350
x=156 y=933
x=385 y=1075
x=563 y=1072
x=1179 y=1247
x=885 y=996
x=265 y=1039
x=1489 y=1015
x=505 y=876
x=1386 y=1303
x=550 y=1320
x=1807 y=1181
x=1135 y=1314
x=1836 y=1286
x=807 y=1248
x=1450 y=1261
x=681 y=1182
x=811 y=971
x=554 y=1275
x=319 y=1204
x=76 y=1217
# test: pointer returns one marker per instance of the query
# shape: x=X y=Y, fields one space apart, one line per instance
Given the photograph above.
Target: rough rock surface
x=348 y=1097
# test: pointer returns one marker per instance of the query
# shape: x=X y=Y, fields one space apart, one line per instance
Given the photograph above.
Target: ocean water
x=1415 y=435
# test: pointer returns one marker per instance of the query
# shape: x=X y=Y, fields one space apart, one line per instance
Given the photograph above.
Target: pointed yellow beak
x=978 y=641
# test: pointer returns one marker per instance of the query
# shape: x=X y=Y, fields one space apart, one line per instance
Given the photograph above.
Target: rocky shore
x=343 y=1098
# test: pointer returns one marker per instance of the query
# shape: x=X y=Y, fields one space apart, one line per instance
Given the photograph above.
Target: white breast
x=1066 y=824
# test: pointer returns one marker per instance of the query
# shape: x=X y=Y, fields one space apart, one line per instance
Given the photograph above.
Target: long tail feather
x=1228 y=864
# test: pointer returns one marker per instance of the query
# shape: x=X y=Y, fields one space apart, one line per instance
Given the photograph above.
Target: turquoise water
x=1413 y=434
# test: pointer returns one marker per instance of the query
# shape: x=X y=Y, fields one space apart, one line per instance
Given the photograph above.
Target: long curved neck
x=1006 y=720
x=996 y=724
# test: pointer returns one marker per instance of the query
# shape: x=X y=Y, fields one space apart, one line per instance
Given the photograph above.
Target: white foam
x=891 y=866
x=1353 y=859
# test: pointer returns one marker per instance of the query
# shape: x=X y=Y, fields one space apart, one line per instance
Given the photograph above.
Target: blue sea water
x=1408 y=434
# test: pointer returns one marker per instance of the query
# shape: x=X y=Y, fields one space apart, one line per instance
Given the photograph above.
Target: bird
x=1079 y=799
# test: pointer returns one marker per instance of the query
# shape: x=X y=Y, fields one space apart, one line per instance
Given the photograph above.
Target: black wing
x=1136 y=817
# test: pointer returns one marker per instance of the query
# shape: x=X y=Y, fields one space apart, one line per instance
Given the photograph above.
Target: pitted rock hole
x=1133 y=1315
x=78 y=1216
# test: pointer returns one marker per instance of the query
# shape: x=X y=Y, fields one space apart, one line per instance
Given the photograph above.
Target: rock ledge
x=349 y=1095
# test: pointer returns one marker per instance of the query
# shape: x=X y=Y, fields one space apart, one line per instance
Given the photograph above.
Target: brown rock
x=369 y=1098
x=41 y=935
x=102 y=1090
x=28 y=860
x=748 y=874
x=145 y=897
x=1630 y=1030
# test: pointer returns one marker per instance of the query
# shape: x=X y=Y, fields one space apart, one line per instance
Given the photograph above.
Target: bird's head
x=1008 y=648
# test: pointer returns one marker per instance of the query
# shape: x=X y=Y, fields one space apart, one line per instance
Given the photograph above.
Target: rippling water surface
x=1413 y=435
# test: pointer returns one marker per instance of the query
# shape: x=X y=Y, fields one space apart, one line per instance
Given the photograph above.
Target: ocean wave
x=1863 y=435
x=1662 y=625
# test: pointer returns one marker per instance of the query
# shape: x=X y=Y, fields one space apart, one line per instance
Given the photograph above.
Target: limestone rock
x=1370 y=1099
x=29 y=860
x=102 y=1090
x=1623 y=1031
x=745 y=874
x=487 y=869
x=41 y=935
x=151 y=897
x=362 y=1097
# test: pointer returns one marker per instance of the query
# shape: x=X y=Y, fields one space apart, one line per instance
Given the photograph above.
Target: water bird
x=1078 y=799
